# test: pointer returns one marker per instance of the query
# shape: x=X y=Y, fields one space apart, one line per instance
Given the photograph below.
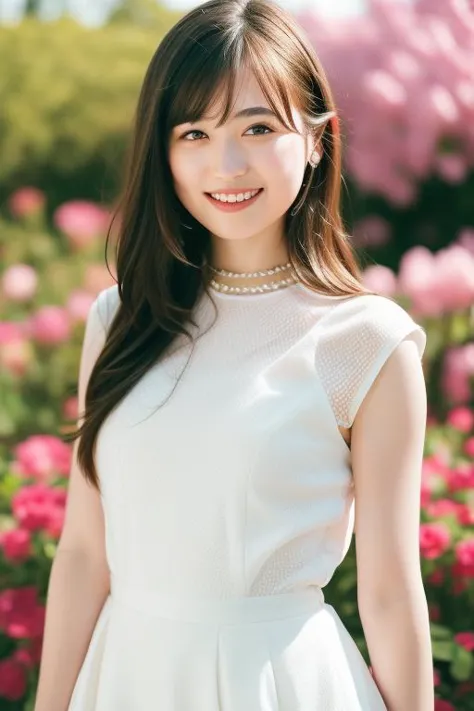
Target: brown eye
x=261 y=125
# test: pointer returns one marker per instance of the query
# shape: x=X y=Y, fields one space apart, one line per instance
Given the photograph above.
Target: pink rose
x=434 y=540
x=79 y=303
x=458 y=367
x=372 y=231
x=466 y=640
x=16 y=357
x=466 y=239
x=19 y=282
x=442 y=705
x=436 y=678
x=70 y=408
x=13 y=679
x=50 y=325
x=21 y=614
x=469 y=447
x=442 y=507
x=16 y=544
x=380 y=279
x=436 y=578
x=464 y=552
x=452 y=167
x=461 y=418
x=455 y=277
x=97 y=278
x=10 y=331
x=26 y=201
x=42 y=457
x=461 y=478
x=465 y=515
x=82 y=222
x=40 y=508
x=417 y=280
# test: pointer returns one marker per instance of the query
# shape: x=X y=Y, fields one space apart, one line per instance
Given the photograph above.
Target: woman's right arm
x=79 y=581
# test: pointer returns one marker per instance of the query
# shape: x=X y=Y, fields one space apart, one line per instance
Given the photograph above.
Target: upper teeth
x=235 y=197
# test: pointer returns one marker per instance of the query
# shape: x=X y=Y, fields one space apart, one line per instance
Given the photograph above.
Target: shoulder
x=355 y=338
x=370 y=320
x=106 y=305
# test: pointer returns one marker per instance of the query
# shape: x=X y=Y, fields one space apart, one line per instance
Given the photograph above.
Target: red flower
x=21 y=615
x=434 y=539
x=16 y=544
x=12 y=679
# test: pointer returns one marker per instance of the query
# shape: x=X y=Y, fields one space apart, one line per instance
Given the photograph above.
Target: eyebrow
x=254 y=111
x=248 y=112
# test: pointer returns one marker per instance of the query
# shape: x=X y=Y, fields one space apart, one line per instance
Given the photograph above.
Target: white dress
x=229 y=508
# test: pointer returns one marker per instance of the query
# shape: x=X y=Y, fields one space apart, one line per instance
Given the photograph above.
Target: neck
x=254 y=254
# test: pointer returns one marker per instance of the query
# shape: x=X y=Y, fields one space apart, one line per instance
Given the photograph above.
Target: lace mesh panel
x=355 y=339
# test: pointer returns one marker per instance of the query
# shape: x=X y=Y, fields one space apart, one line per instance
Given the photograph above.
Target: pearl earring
x=315 y=158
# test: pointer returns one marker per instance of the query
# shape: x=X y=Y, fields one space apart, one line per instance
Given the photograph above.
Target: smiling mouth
x=242 y=192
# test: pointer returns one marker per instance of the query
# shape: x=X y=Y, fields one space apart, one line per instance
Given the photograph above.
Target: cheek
x=287 y=165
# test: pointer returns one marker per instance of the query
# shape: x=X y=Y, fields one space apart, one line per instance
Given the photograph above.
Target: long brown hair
x=160 y=263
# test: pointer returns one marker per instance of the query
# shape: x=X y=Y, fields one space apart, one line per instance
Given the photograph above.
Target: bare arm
x=387 y=451
x=79 y=580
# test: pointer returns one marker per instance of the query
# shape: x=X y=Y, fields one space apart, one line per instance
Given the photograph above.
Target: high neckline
x=225 y=296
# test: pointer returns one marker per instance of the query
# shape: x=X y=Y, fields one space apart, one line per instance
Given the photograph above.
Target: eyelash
x=257 y=125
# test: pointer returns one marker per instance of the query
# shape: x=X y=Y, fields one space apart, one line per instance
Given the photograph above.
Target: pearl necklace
x=257 y=289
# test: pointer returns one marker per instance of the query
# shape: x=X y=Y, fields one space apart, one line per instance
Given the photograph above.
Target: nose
x=230 y=161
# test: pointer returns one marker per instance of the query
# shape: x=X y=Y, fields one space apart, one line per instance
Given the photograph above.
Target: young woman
x=245 y=400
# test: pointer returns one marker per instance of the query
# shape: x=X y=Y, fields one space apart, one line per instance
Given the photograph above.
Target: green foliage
x=66 y=113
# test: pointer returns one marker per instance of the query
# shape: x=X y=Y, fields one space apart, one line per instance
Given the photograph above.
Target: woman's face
x=247 y=153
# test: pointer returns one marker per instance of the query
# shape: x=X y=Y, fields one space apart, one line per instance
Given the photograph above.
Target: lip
x=233 y=206
x=235 y=191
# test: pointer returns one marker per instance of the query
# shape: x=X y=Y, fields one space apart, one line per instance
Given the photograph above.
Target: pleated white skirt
x=286 y=652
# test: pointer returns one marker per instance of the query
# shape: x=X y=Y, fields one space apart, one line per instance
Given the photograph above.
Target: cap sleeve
x=355 y=339
x=107 y=303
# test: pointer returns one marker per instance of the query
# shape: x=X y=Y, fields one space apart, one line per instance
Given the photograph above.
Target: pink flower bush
x=81 y=222
x=19 y=282
x=40 y=508
x=16 y=544
x=437 y=283
x=26 y=201
x=42 y=457
x=435 y=539
x=50 y=325
x=403 y=74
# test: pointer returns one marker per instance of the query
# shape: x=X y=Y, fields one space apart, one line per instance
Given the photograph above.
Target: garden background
x=403 y=75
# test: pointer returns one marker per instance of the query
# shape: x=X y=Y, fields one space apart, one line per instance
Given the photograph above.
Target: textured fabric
x=232 y=498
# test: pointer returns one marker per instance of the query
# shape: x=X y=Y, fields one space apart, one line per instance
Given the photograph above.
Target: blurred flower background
x=403 y=74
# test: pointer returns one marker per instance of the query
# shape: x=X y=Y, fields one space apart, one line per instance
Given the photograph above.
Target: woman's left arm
x=387 y=446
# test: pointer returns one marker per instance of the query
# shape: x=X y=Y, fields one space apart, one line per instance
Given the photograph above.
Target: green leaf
x=462 y=664
x=440 y=633
x=444 y=651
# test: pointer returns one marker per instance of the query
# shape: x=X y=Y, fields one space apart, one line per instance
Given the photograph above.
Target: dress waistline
x=232 y=609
